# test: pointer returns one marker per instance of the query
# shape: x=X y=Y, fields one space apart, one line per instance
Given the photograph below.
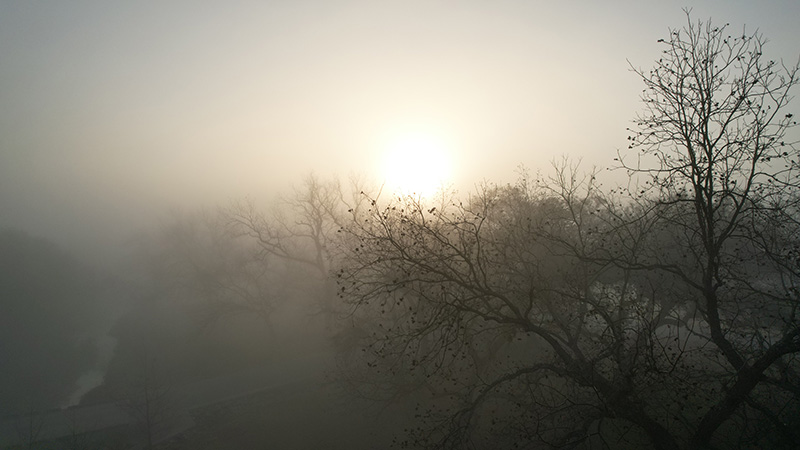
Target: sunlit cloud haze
x=111 y=113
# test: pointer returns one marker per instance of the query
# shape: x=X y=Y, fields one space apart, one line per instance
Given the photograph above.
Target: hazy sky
x=113 y=112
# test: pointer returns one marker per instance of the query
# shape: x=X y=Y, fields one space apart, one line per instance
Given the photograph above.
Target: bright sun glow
x=416 y=164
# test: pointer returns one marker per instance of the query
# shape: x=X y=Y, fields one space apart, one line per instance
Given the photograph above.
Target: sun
x=417 y=164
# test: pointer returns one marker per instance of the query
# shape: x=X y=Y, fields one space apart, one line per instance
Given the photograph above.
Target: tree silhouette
x=662 y=315
x=720 y=178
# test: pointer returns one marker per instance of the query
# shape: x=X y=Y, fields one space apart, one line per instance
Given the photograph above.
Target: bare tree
x=719 y=168
x=300 y=229
x=218 y=272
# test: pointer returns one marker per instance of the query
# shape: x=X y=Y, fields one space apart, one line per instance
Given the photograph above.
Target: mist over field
x=367 y=225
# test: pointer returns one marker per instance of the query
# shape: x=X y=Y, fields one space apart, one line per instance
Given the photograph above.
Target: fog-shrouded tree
x=247 y=259
x=211 y=280
x=198 y=258
x=202 y=305
x=298 y=232
x=550 y=312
